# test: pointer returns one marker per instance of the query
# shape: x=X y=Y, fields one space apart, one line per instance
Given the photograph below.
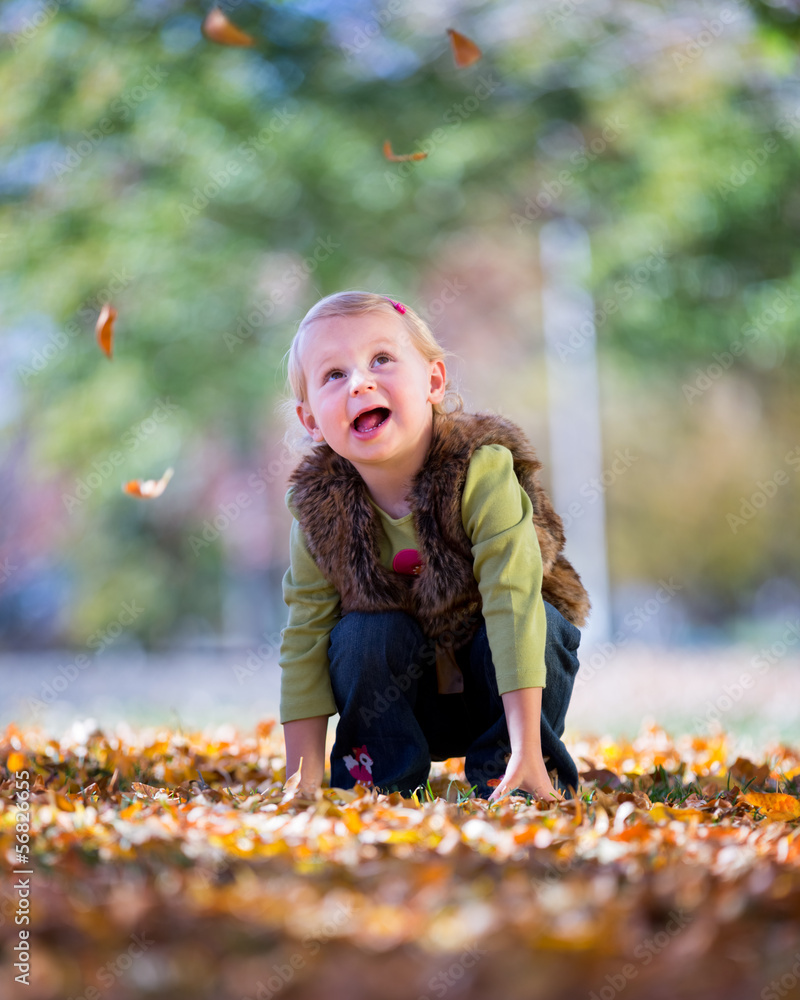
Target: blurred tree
x=213 y=193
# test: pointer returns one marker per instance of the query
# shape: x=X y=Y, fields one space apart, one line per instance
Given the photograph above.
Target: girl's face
x=357 y=363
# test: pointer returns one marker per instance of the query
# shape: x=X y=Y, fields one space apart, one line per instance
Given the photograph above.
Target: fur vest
x=343 y=532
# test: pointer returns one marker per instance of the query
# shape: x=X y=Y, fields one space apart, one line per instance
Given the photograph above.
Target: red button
x=407 y=561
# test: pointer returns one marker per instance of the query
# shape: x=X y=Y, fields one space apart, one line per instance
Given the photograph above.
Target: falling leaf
x=104 y=329
x=16 y=761
x=147 y=489
x=777 y=805
x=397 y=158
x=465 y=51
x=217 y=28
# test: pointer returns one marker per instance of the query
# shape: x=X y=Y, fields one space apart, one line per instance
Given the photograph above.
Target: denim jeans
x=393 y=722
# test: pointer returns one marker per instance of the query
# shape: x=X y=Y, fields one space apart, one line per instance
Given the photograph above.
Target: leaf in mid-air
x=217 y=28
x=147 y=489
x=104 y=328
x=465 y=51
x=400 y=157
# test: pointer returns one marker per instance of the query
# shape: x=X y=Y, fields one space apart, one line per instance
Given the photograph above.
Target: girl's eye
x=336 y=371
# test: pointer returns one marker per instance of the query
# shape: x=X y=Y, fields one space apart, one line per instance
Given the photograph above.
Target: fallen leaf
x=104 y=328
x=661 y=811
x=217 y=28
x=397 y=158
x=603 y=777
x=152 y=792
x=745 y=770
x=777 y=805
x=465 y=51
x=147 y=489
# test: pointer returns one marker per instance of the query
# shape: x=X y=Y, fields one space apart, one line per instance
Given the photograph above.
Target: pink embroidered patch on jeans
x=360 y=766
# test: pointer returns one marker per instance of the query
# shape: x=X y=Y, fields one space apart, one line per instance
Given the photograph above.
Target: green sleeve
x=497 y=515
x=313 y=611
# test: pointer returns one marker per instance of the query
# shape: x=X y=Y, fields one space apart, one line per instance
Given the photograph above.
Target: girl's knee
x=371 y=646
x=362 y=628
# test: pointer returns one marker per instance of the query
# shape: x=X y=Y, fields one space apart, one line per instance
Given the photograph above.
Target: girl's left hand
x=529 y=774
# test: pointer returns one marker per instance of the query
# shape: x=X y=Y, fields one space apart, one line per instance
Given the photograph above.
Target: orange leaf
x=398 y=158
x=147 y=489
x=661 y=811
x=16 y=761
x=217 y=28
x=153 y=792
x=777 y=805
x=493 y=782
x=104 y=329
x=745 y=770
x=465 y=51
x=292 y=783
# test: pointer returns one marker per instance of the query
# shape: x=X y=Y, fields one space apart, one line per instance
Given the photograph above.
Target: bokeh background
x=604 y=232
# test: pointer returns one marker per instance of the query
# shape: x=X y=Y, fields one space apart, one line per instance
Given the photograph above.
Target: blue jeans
x=393 y=722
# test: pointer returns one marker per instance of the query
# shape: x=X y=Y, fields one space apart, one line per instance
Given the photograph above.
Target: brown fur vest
x=343 y=531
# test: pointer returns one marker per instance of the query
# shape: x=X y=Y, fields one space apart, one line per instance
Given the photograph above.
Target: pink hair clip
x=398 y=305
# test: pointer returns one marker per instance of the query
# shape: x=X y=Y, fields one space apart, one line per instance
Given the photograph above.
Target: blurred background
x=605 y=232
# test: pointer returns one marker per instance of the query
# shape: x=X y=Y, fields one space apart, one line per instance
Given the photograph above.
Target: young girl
x=429 y=604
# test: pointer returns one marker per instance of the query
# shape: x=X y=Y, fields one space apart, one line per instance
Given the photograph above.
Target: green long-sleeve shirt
x=498 y=518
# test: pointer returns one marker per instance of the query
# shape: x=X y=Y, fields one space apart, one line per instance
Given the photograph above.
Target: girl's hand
x=528 y=773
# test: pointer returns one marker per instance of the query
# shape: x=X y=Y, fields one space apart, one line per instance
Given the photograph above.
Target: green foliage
x=130 y=115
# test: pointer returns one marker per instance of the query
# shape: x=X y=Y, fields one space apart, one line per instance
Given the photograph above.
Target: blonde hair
x=355 y=303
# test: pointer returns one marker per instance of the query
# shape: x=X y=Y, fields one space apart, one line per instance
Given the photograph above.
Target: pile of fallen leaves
x=169 y=864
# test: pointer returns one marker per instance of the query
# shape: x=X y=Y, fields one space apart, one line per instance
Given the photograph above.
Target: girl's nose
x=360 y=380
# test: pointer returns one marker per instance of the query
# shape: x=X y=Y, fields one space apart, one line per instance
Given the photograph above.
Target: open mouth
x=370 y=420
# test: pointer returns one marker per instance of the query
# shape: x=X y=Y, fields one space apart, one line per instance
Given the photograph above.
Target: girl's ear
x=438 y=382
x=308 y=421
